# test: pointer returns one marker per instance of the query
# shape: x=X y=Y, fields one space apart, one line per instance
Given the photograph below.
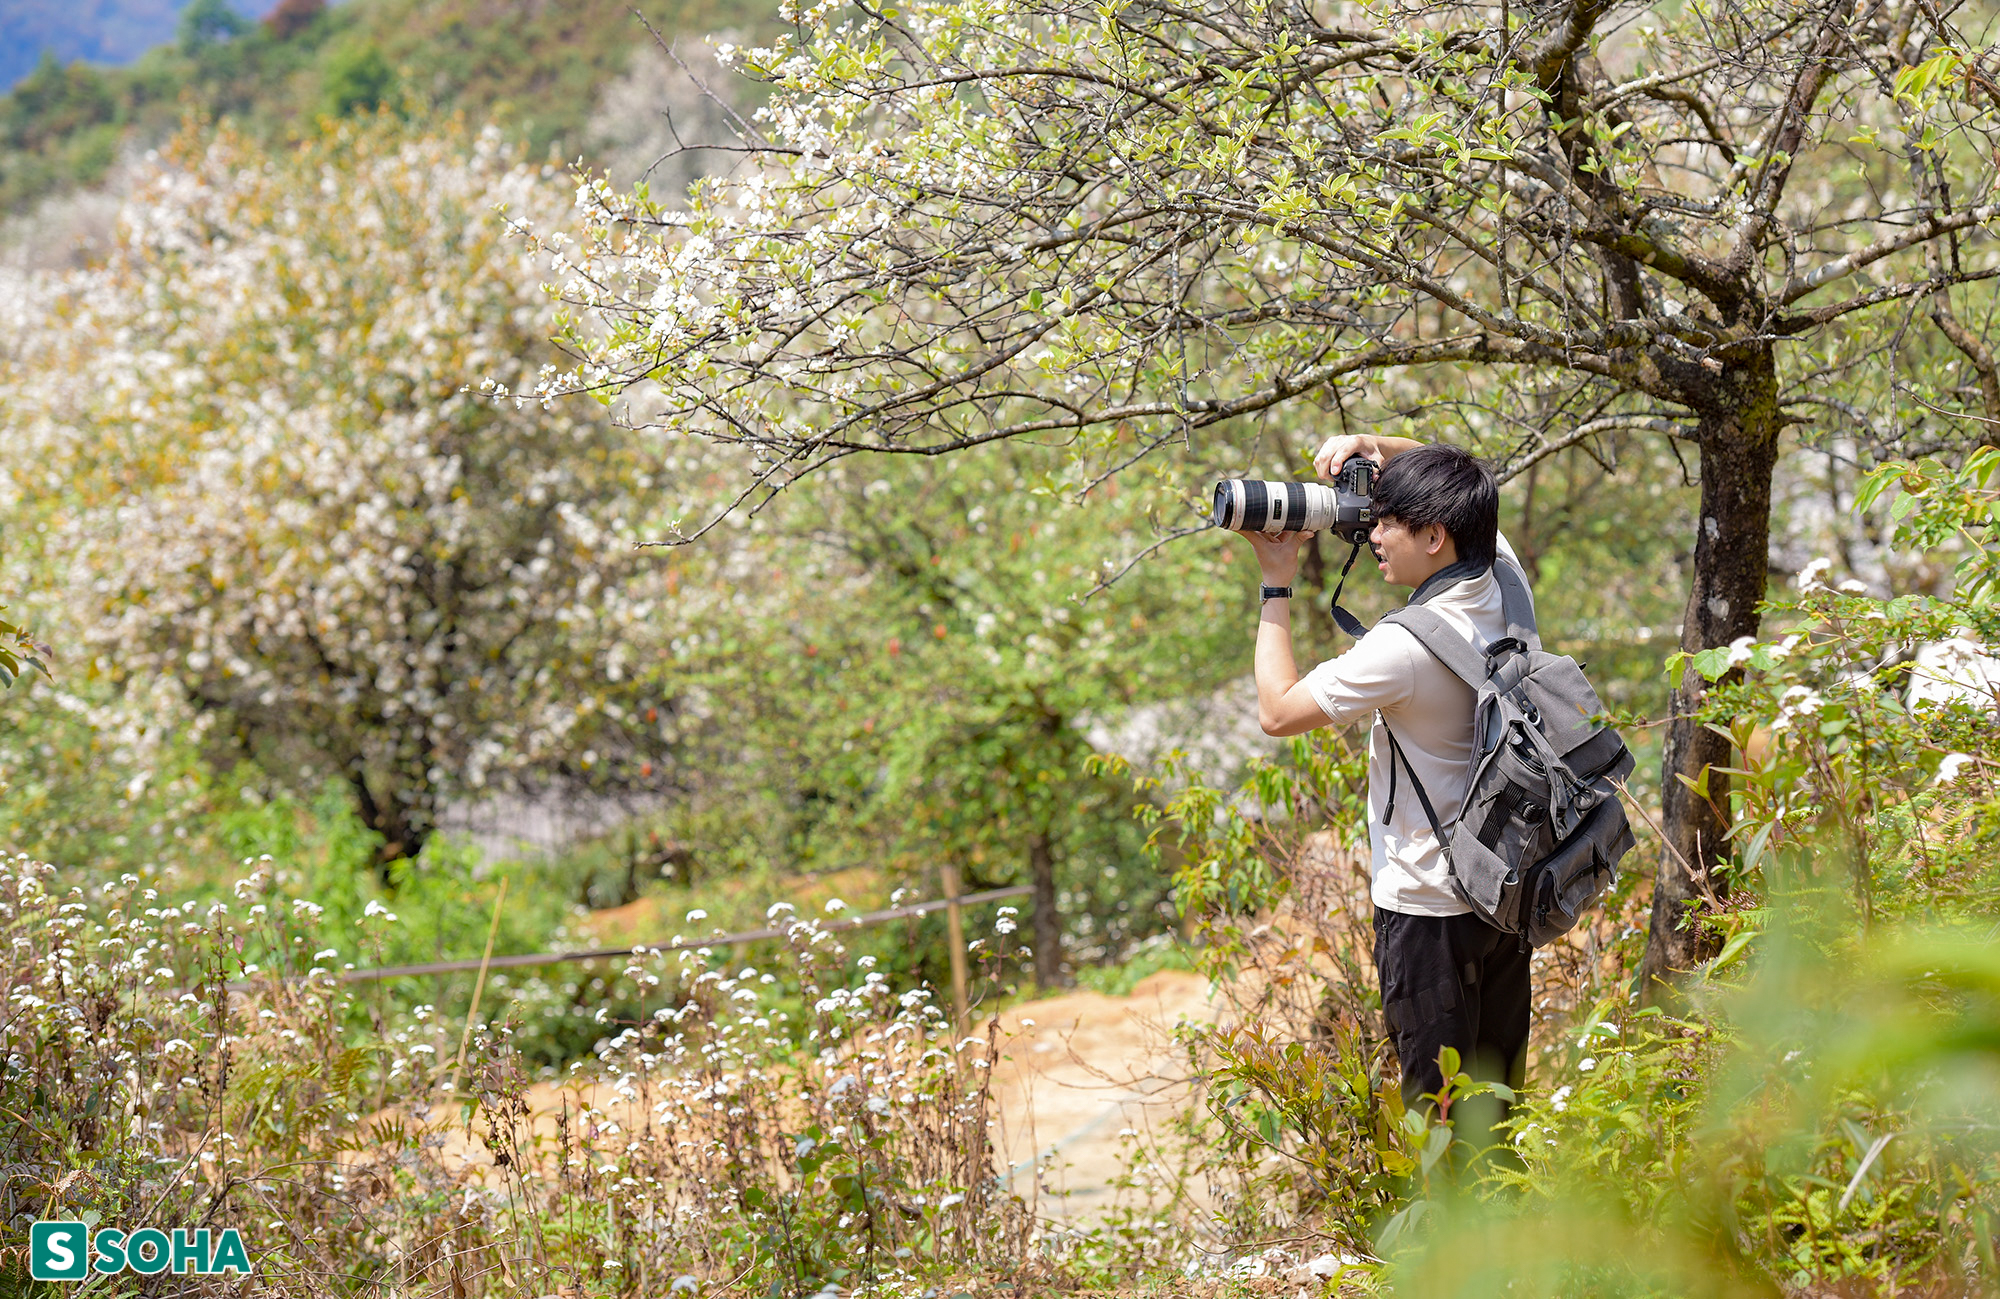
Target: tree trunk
x=1526 y=546
x=1048 y=924
x=1739 y=448
x=403 y=825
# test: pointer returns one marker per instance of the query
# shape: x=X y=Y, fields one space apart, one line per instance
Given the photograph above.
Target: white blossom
x=248 y=446
x=1953 y=767
x=1809 y=577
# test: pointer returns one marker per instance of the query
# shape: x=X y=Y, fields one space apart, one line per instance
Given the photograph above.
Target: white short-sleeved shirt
x=1390 y=675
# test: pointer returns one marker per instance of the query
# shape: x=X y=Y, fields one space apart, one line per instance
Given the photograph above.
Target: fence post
x=478 y=987
x=954 y=924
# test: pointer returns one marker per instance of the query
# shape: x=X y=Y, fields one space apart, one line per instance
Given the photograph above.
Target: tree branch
x=1105 y=583
x=1975 y=351
x=1799 y=322
x=1646 y=85
x=1929 y=228
x=1590 y=429
x=1545 y=62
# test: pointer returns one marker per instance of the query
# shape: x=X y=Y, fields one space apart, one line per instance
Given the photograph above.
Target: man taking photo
x=1448 y=978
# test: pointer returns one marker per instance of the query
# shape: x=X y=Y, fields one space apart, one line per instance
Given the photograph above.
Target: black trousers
x=1452 y=981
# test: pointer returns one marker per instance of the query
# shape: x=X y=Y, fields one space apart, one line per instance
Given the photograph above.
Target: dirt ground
x=1076 y=1073
x=1080 y=1070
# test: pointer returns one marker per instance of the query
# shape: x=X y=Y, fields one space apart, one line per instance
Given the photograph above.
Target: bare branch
x=1545 y=62
x=1929 y=228
x=1991 y=437
x=751 y=137
x=1609 y=424
x=1975 y=351
x=1799 y=322
x=1646 y=85
x=1106 y=582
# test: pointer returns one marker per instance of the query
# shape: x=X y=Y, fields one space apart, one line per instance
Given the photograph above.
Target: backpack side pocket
x=1485 y=882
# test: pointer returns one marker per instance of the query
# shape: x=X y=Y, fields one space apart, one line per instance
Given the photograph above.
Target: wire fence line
x=905 y=912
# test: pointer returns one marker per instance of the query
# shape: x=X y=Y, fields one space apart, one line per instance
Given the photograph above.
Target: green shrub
x=356 y=79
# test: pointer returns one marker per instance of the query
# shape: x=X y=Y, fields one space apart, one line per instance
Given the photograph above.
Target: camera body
x=1346 y=509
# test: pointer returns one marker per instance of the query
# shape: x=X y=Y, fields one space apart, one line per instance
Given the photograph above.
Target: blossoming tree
x=1056 y=220
x=244 y=449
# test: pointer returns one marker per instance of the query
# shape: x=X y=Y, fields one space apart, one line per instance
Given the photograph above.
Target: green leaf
x=1711 y=663
x=1874 y=484
x=1735 y=947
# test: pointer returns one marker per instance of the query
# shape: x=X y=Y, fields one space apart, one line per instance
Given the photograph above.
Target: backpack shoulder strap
x=1437 y=636
x=1515 y=604
x=1424 y=798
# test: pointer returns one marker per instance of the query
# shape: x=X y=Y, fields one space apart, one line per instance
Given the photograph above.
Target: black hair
x=1446 y=485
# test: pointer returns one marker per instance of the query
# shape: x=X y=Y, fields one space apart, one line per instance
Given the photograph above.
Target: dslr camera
x=1346 y=509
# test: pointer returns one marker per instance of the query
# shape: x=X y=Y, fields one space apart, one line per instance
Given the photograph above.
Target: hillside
x=101 y=31
x=539 y=68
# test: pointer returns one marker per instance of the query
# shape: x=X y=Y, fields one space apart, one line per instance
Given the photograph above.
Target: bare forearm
x=1277 y=670
x=1284 y=705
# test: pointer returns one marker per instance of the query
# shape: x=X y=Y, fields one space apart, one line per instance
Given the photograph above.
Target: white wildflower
x=1953 y=766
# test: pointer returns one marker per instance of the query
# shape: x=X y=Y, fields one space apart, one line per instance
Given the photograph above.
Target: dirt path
x=1082 y=1070
x=1077 y=1072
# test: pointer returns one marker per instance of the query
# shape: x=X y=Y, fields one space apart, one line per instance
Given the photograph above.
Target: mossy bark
x=1739 y=429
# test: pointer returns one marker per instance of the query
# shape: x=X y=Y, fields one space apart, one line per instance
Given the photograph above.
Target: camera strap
x=1449 y=575
x=1346 y=621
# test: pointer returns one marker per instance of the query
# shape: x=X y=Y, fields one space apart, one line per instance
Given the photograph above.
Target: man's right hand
x=1339 y=449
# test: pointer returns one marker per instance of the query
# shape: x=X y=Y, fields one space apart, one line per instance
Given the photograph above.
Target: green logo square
x=58 y=1251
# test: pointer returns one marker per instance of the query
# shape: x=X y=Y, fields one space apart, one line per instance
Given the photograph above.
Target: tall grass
x=162 y=1078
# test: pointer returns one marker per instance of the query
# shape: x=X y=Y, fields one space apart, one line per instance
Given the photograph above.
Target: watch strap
x=1277 y=593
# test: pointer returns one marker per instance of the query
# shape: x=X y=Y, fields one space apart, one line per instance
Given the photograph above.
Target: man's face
x=1406 y=556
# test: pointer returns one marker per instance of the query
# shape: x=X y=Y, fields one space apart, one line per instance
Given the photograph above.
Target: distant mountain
x=540 y=68
x=113 y=32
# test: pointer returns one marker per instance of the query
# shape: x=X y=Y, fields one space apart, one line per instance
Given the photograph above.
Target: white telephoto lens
x=1256 y=505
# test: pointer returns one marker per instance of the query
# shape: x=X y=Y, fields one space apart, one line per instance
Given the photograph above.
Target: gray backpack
x=1542 y=830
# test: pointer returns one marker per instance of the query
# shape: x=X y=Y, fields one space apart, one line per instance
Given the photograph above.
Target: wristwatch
x=1277 y=592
